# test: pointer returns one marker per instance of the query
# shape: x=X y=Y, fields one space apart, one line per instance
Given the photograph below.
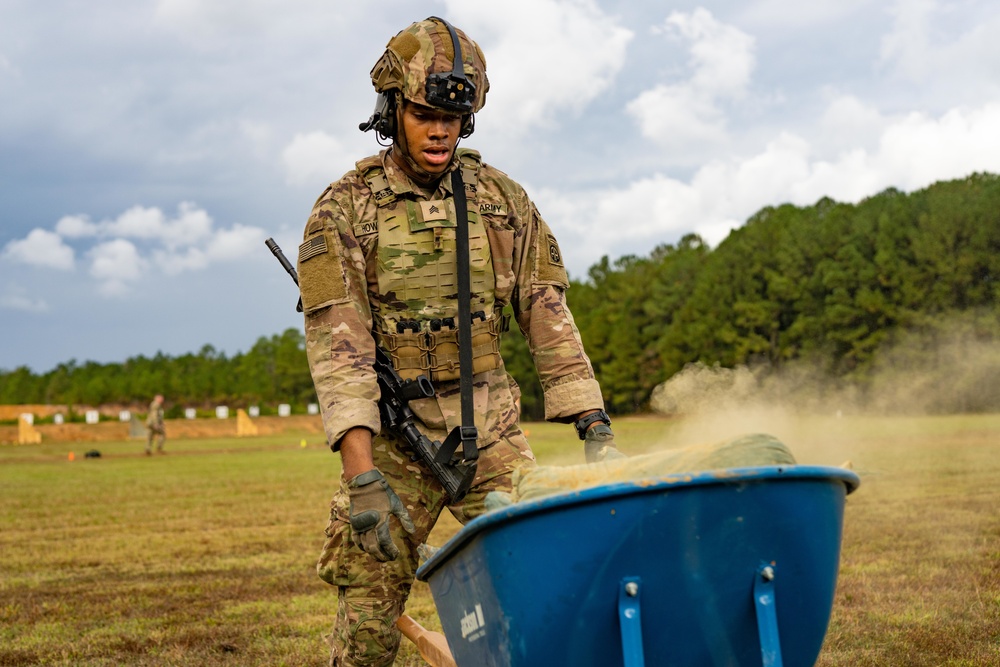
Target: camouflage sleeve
x=565 y=372
x=339 y=345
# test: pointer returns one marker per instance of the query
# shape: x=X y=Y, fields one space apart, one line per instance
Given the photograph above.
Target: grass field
x=205 y=556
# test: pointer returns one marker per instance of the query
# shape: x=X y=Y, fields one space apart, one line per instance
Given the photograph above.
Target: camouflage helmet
x=419 y=63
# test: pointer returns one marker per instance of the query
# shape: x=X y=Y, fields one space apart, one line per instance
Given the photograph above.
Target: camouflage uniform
x=515 y=259
x=155 y=428
x=378 y=267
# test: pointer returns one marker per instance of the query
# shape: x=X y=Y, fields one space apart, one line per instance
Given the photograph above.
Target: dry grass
x=205 y=556
x=920 y=571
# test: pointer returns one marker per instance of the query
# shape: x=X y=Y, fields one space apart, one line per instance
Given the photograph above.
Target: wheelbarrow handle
x=432 y=645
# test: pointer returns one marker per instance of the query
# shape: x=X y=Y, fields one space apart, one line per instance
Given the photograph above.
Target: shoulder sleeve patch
x=555 y=257
x=548 y=258
x=322 y=281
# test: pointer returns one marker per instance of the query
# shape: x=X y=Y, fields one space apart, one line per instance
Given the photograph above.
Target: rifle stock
x=394 y=409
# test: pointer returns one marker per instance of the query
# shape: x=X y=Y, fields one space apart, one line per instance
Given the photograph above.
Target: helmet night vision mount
x=451 y=91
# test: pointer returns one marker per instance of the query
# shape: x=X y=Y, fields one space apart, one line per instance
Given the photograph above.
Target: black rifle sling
x=466 y=433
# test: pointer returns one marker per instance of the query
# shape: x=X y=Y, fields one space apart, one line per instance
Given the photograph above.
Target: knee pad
x=365 y=634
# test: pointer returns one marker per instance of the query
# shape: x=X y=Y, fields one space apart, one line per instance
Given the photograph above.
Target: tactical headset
x=451 y=91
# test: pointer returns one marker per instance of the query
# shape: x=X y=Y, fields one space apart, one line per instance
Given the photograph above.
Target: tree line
x=272 y=372
x=832 y=285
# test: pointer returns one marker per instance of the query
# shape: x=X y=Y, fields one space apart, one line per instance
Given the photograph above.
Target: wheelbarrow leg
x=630 y=622
x=767 y=618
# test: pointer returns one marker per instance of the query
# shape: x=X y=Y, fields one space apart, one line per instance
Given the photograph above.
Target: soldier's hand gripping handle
x=372 y=502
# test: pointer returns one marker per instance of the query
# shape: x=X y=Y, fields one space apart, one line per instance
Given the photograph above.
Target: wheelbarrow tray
x=543 y=582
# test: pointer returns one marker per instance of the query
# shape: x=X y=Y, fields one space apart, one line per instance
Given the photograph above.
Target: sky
x=148 y=148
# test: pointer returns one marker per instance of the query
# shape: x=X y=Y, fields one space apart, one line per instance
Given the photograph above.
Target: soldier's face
x=431 y=136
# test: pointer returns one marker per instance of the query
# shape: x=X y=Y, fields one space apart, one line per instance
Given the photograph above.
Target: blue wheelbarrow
x=731 y=567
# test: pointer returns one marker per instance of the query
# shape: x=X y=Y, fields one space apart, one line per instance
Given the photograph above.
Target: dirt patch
x=9 y=412
x=177 y=429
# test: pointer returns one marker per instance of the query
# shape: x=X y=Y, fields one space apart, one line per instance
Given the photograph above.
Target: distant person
x=154 y=426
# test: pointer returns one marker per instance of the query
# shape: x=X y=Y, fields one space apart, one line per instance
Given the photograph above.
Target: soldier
x=378 y=266
x=154 y=426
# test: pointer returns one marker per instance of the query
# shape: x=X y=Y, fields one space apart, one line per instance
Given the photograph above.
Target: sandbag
x=747 y=451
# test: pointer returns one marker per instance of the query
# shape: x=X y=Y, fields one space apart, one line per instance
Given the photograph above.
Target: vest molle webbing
x=417 y=279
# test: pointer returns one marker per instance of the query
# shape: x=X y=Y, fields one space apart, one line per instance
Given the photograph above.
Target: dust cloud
x=953 y=371
x=950 y=368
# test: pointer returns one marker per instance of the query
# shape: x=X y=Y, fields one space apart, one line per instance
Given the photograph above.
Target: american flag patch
x=314 y=246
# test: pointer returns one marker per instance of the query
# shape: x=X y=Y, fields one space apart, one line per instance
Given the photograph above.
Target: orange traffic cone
x=72 y=456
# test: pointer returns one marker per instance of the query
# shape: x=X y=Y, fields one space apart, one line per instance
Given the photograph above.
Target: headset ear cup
x=387 y=122
x=387 y=126
x=468 y=125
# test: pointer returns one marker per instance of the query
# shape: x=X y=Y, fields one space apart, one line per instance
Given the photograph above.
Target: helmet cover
x=421 y=50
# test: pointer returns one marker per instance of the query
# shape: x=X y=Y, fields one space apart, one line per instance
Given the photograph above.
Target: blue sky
x=148 y=148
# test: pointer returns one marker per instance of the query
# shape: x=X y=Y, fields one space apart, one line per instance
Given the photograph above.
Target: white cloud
x=185 y=13
x=311 y=158
x=23 y=303
x=41 y=248
x=907 y=45
x=225 y=245
x=803 y=16
x=721 y=56
x=543 y=56
x=913 y=152
x=681 y=115
x=179 y=261
x=200 y=20
x=116 y=265
x=847 y=117
x=76 y=226
x=236 y=242
x=919 y=150
x=137 y=222
x=6 y=66
x=950 y=48
x=258 y=134
x=187 y=242
x=192 y=225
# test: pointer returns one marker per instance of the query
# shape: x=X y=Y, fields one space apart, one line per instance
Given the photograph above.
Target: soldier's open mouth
x=437 y=156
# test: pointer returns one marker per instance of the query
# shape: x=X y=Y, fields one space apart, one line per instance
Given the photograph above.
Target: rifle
x=394 y=409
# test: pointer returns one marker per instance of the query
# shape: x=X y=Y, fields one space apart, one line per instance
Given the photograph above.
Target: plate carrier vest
x=415 y=321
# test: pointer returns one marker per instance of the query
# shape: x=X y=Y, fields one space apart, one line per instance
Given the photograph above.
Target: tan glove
x=599 y=444
x=372 y=501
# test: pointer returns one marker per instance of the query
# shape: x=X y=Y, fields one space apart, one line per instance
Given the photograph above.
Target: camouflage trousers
x=371 y=595
x=158 y=434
